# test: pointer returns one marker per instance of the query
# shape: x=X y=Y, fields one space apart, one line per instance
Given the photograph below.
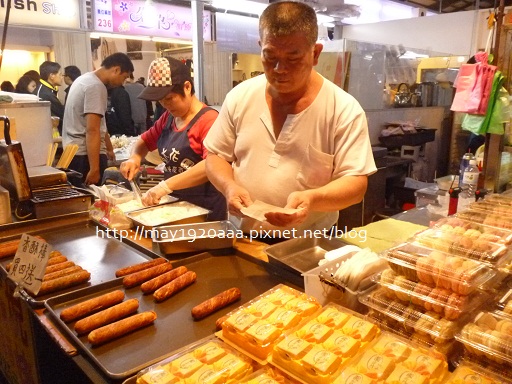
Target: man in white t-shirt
x=290 y=138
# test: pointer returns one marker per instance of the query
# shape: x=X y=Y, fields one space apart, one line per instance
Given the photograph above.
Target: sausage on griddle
x=140 y=277
x=174 y=286
x=215 y=303
x=121 y=327
x=90 y=306
x=106 y=316
x=139 y=267
x=157 y=282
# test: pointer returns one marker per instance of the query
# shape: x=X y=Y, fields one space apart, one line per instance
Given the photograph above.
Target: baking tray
x=195 y=237
x=301 y=254
x=89 y=246
x=196 y=214
x=174 y=327
x=422 y=136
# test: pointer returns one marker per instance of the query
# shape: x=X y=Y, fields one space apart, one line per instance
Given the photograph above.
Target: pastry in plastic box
x=391 y=359
x=317 y=350
x=480 y=249
x=492 y=207
x=473 y=230
x=482 y=217
x=268 y=375
x=467 y=373
x=258 y=325
x=411 y=316
x=490 y=335
x=449 y=304
x=505 y=303
x=436 y=268
x=207 y=361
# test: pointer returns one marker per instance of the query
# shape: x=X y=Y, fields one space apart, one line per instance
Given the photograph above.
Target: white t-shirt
x=326 y=141
x=86 y=95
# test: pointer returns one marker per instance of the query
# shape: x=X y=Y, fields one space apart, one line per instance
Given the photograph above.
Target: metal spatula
x=136 y=192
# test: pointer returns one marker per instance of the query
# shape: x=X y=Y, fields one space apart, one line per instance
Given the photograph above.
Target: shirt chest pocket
x=316 y=168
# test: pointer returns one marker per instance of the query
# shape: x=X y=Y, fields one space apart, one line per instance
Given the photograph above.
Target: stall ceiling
x=448 y=6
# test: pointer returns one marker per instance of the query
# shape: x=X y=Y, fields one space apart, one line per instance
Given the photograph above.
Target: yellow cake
x=402 y=375
x=158 y=376
x=280 y=296
x=235 y=367
x=392 y=347
x=342 y=345
x=284 y=318
x=207 y=375
x=209 y=352
x=351 y=376
x=261 y=308
x=332 y=317
x=375 y=365
x=321 y=362
x=360 y=329
x=184 y=366
x=240 y=321
x=314 y=332
x=292 y=347
x=303 y=306
x=466 y=375
x=263 y=333
x=425 y=364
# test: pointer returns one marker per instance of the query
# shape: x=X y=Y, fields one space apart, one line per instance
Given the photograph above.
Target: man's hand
x=297 y=200
x=129 y=168
x=93 y=177
x=111 y=155
x=153 y=195
x=237 y=198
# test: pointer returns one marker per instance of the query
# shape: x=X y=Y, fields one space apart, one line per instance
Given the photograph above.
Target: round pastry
x=504 y=326
x=424 y=269
x=426 y=323
x=445 y=330
x=508 y=307
x=487 y=322
x=421 y=291
x=387 y=276
x=403 y=288
x=446 y=228
x=462 y=244
x=454 y=306
x=472 y=233
x=440 y=300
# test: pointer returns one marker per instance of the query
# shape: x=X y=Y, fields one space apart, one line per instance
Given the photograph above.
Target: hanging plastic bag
x=500 y=113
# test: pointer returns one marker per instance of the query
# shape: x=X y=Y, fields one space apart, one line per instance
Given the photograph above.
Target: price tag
x=30 y=262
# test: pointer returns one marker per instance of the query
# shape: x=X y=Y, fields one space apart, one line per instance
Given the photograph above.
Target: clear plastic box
x=208 y=359
x=316 y=351
x=439 y=269
x=258 y=325
x=489 y=335
x=466 y=371
x=482 y=217
x=412 y=316
x=448 y=304
x=499 y=199
x=493 y=207
x=505 y=303
x=268 y=375
x=474 y=230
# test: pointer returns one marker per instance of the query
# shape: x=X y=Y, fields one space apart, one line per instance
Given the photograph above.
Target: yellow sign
x=40 y=13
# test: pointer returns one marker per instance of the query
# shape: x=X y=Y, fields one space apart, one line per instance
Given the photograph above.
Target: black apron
x=178 y=156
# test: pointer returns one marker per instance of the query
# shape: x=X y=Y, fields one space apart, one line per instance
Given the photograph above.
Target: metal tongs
x=136 y=192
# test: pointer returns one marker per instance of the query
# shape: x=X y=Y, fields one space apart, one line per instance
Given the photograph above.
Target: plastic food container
x=489 y=335
x=208 y=358
x=483 y=217
x=476 y=248
x=492 y=207
x=316 y=351
x=499 y=199
x=471 y=373
x=438 y=269
x=180 y=212
x=258 y=325
x=447 y=182
x=412 y=316
x=474 y=230
x=267 y=375
x=448 y=304
x=390 y=359
x=505 y=303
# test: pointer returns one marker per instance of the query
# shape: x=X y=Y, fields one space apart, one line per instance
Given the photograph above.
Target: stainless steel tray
x=174 y=327
x=195 y=237
x=196 y=214
x=90 y=247
x=301 y=254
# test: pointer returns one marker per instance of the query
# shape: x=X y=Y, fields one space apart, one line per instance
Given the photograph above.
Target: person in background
x=25 y=84
x=119 y=113
x=84 y=123
x=290 y=138
x=51 y=78
x=33 y=74
x=138 y=106
x=178 y=135
x=7 y=86
x=71 y=73
x=149 y=105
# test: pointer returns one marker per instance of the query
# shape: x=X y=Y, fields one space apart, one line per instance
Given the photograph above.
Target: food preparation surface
x=174 y=327
x=84 y=245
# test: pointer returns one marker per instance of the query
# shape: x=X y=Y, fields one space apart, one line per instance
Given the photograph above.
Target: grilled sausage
x=139 y=267
x=58 y=267
x=174 y=286
x=9 y=248
x=64 y=282
x=95 y=304
x=138 y=278
x=62 y=272
x=121 y=327
x=106 y=316
x=215 y=303
x=56 y=260
x=155 y=283
x=219 y=321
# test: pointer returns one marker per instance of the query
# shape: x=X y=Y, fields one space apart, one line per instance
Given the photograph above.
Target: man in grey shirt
x=84 y=116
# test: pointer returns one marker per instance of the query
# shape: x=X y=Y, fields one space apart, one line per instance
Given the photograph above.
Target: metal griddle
x=174 y=327
x=83 y=244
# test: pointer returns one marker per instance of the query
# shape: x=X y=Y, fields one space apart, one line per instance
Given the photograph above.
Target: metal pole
x=4 y=34
x=198 y=47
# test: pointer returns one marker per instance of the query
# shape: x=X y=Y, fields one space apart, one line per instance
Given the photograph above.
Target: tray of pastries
x=268 y=375
x=468 y=373
x=505 y=303
x=390 y=359
x=475 y=248
x=489 y=335
x=445 y=302
x=494 y=207
x=487 y=218
x=258 y=325
x=413 y=316
x=207 y=361
x=499 y=199
x=438 y=269
x=473 y=230
x=316 y=352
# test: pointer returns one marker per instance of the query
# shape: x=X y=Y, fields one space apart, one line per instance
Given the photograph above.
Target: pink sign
x=145 y=18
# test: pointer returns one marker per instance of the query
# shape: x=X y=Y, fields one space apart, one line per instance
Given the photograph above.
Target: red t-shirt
x=196 y=134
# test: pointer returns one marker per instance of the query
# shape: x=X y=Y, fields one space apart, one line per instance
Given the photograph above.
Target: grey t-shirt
x=86 y=95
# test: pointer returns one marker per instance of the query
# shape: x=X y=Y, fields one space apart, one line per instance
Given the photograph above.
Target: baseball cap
x=163 y=73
